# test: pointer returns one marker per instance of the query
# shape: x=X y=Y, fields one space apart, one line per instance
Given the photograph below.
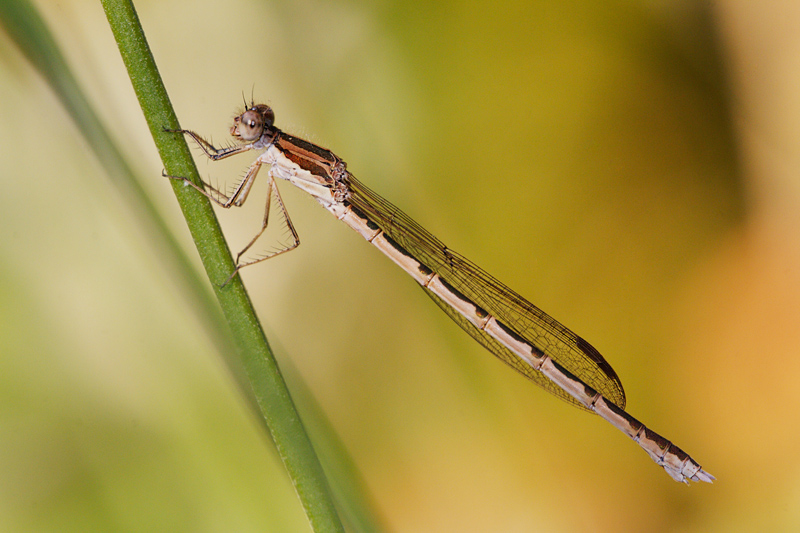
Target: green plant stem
x=269 y=388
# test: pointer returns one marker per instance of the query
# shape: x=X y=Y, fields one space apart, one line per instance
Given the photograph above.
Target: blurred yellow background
x=629 y=167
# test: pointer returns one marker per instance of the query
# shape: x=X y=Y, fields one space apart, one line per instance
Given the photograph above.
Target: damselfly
x=516 y=331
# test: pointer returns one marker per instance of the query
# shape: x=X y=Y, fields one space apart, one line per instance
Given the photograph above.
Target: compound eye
x=251 y=125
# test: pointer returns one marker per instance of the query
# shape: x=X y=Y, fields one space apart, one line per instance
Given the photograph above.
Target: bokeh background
x=631 y=167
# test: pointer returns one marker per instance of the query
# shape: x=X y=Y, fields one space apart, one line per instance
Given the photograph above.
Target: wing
x=525 y=319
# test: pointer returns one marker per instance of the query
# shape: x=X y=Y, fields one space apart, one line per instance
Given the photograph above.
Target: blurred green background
x=628 y=166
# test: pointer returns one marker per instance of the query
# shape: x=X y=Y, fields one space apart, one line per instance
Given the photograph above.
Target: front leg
x=212 y=152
